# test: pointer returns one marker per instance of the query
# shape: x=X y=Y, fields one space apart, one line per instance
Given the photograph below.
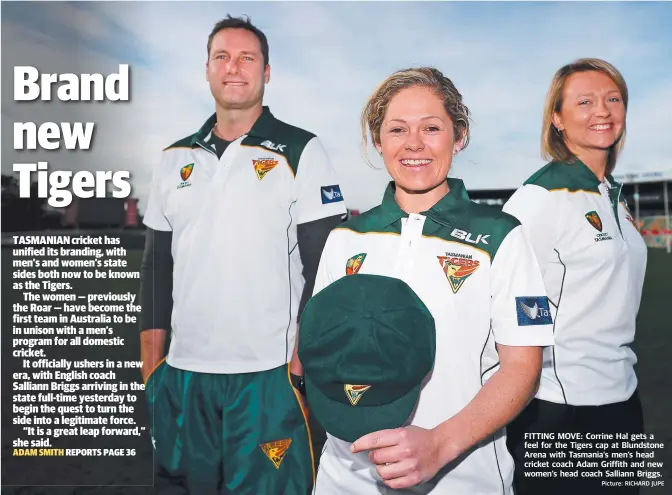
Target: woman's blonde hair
x=553 y=146
x=429 y=77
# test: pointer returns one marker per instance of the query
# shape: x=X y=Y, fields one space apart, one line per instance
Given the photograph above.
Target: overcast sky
x=326 y=58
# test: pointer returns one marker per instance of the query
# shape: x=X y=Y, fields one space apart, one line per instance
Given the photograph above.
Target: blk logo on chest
x=469 y=237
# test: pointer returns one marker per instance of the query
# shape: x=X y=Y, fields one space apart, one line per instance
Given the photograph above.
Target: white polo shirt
x=473 y=268
x=593 y=261
x=237 y=278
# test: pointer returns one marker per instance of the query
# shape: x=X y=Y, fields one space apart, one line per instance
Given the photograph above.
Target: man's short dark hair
x=240 y=23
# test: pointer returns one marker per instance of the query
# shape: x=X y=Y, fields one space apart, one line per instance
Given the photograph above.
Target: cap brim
x=349 y=422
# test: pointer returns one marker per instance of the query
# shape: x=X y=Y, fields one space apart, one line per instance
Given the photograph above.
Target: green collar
x=261 y=128
x=450 y=205
x=588 y=177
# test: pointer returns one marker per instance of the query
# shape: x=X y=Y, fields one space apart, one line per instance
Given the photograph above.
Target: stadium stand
x=648 y=198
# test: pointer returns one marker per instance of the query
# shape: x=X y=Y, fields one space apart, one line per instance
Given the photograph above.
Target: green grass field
x=653 y=345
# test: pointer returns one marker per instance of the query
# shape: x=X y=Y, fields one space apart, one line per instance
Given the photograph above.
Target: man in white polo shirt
x=237 y=218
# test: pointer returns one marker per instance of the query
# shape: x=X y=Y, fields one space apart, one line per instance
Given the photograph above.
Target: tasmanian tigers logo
x=275 y=451
x=355 y=392
x=264 y=166
x=457 y=268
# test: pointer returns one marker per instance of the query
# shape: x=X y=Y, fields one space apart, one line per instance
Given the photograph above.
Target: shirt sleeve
x=534 y=208
x=520 y=312
x=325 y=275
x=155 y=217
x=318 y=190
x=311 y=239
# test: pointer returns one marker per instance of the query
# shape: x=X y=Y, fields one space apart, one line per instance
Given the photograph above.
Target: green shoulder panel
x=564 y=176
x=371 y=222
x=182 y=143
x=541 y=176
x=479 y=226
x=283 y=139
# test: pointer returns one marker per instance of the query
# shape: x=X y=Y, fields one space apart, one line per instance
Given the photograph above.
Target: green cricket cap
x=366 y=343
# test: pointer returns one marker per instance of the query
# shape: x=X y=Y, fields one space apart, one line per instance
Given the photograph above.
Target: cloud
x=648 y=146
x=327 y=58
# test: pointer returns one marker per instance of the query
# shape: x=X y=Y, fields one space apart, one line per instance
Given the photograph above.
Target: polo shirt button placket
x=411 y=233
x=605 y=195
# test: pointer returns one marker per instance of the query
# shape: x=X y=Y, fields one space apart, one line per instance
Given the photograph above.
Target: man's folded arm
x=311 y=238
x=156 y=297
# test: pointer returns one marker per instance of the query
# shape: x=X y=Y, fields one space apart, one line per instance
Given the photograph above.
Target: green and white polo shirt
x=474 y=269
x=593 y=261
x=237 y=278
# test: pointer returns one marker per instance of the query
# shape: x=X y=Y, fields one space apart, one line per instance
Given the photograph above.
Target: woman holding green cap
x=473 y=268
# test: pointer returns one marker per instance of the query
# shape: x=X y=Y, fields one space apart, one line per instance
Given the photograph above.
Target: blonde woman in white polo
x=593 y=261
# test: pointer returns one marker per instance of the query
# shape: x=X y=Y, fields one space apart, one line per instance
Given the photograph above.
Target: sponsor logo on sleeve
x=533 y=311
x=331 y=194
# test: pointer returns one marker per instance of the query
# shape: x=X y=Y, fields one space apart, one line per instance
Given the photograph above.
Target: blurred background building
x=33 y=213
x=647 y=196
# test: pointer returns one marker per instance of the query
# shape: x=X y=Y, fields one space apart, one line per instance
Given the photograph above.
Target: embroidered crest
x=353 y=265
x=458 y=268
x=594 y=220
x=185 y=172
x=264 y=166
x=275 y=451
x=355 y=392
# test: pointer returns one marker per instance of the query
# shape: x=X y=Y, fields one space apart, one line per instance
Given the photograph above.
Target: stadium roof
x=649 y=176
